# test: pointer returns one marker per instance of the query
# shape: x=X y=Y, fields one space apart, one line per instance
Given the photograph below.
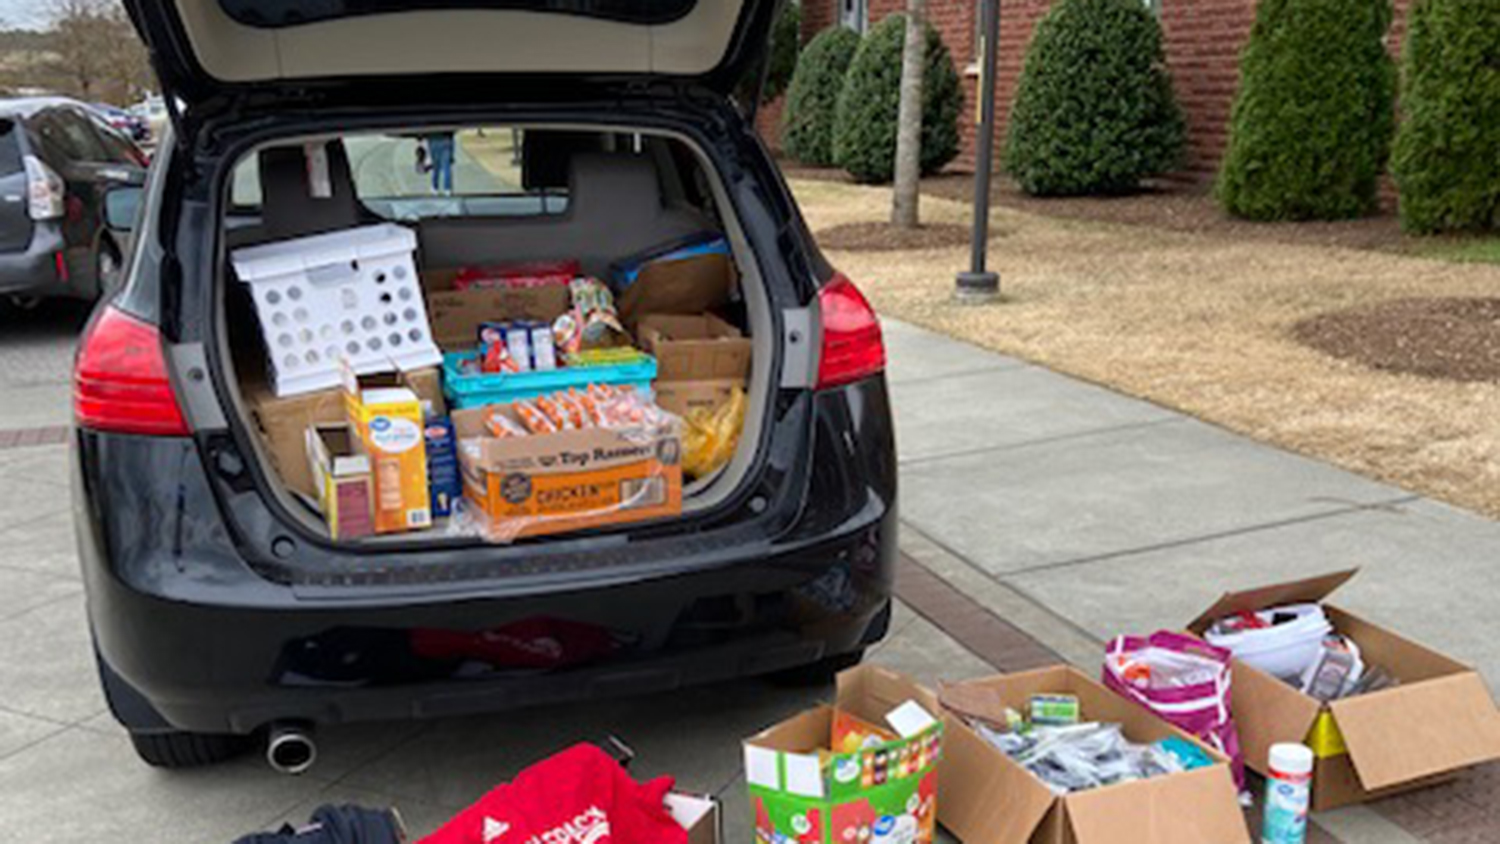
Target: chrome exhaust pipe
x=290 y=749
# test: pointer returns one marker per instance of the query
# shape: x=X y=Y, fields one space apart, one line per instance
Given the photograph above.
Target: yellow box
x=387 y=416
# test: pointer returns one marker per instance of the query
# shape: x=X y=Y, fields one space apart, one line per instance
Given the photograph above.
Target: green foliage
x=786 y=42
x=864 y=126
x=1310 y=132
x=1094 y=112
x=1447 y=156
x=813 y=93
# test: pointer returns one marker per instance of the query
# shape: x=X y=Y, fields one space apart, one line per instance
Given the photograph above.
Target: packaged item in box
x=592 y=322
x=555 y=476
x=387 y=416
x=444 y=478
x=341 y=472
x=1183 y=680
x=710 y=437
x=517 y=276
x=1054 y=709
x=806 y=787
x=543 y=349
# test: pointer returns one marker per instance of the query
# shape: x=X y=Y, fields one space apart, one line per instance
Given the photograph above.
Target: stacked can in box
x=516 y=346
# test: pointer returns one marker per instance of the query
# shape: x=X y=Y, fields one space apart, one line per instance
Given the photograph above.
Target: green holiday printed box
x=876 y=792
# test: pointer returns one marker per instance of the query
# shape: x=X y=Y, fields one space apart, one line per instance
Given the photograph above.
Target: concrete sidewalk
x=1030 y=498
x=1078 y=513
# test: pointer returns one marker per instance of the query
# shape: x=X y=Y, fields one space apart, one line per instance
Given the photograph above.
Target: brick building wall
x=1203 y=39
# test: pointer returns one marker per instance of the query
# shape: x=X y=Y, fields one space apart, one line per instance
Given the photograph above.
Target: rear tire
x=176 y=750
x=820 y=673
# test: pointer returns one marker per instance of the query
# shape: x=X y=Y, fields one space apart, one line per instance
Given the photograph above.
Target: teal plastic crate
x=476 y=390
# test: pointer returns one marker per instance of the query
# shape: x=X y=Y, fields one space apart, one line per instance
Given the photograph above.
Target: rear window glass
x=10 y=149
x=476 y=172
x=279 y=13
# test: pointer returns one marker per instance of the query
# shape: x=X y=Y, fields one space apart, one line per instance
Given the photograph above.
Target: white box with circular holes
x=350 y=295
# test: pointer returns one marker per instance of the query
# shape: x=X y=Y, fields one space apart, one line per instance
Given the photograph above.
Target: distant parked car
x=59 y=165
x=133 y=126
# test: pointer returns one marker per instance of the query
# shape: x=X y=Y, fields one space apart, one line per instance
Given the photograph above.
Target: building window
x=855 y=14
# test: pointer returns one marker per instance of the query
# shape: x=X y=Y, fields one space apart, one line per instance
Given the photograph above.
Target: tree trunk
x=909 y=119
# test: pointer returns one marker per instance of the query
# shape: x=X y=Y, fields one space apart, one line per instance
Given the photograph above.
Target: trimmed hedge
x=1310 y=131
x=807 y=133
x=1447 y=155
x=786 y=43
x=1094 y=111
x=864 y=125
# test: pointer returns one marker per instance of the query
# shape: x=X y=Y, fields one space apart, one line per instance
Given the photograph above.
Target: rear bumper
x=192 y=638
x=34 y=270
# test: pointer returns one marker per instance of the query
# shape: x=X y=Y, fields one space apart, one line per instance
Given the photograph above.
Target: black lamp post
x=979 y=284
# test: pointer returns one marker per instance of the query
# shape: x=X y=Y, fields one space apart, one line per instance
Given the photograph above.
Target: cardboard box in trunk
x=800 y=790
x=456 y=314
x=552 y=483
x=1437 y=721
x=692 y=285
x=283 y=422
x=341 y=472
x=989 y=797
x=694 y=348
x=683 y=397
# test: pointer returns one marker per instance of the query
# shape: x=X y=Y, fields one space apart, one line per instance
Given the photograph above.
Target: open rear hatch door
x=212 y=52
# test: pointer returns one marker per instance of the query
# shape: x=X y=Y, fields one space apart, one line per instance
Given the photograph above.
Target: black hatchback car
x=57 y=165
x=219 y=605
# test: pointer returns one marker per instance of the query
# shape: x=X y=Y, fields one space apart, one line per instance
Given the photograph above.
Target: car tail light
x=44 y=190
x=120 y=381
x=852 y=345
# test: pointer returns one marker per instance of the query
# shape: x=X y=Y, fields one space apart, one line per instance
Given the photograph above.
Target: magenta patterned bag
x=1184 y=681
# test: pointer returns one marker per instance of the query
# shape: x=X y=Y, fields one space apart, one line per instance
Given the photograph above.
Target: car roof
x=27 y=106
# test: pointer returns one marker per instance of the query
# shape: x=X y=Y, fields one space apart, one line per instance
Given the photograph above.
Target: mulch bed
x=884 y=237
x=1453 y=339
x=1165 y=204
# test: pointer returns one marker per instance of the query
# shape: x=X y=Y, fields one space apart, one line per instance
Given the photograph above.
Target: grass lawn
x=1482 y=250
x=1200 y=321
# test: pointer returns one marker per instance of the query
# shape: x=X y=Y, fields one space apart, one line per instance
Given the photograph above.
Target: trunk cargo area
x=496 y=333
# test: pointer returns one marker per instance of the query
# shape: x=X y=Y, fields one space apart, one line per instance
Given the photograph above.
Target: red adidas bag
x=579 y=796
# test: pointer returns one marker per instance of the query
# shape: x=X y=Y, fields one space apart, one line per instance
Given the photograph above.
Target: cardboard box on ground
x=702 y=817
x=1438 y=720
x=803 y=788
x=986 y=796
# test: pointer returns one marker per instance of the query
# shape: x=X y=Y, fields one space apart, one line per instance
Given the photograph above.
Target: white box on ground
x=700 y=816
x=350 y=294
